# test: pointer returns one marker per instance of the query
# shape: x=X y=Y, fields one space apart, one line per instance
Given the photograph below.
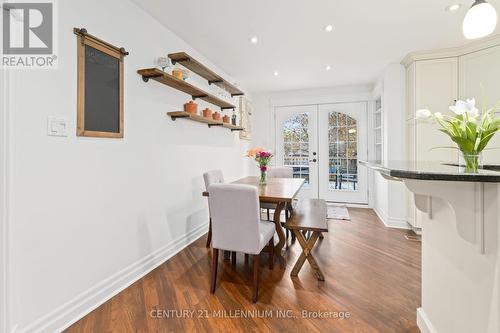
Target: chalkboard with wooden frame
x=100 y=87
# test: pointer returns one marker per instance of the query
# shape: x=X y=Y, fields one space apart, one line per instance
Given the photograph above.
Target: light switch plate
x=57 y=126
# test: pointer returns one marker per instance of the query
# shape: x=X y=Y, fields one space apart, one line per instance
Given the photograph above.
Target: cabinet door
x=480 y=78
x=436 y=88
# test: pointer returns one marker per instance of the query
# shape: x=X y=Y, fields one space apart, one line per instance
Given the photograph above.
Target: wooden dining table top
x=276 y=189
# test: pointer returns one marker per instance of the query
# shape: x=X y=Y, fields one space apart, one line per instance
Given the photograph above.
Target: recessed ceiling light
x=328 y=28
x=254 y=39
x=328 y=67
x=453 y=8
x=275 y=73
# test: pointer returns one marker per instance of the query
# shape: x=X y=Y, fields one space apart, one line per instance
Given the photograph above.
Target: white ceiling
x=367 y=36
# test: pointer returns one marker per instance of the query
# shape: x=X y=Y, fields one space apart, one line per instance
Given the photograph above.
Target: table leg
x=307 y=247
x=279 y=230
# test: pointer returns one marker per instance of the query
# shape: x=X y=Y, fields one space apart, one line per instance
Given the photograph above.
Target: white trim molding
x=424 y=323
x=67 y=314
x=452 y=52
x=392 y=222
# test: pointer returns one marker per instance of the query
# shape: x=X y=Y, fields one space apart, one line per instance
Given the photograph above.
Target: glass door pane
x=343 y=139
x=296 y=144
x=342 y=142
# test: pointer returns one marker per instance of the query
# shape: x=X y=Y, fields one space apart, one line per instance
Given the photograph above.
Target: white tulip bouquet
x=469 y=128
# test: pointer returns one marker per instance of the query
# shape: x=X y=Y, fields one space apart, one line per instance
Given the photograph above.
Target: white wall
x=3 y=201
x=88 y=215
x=389 y=196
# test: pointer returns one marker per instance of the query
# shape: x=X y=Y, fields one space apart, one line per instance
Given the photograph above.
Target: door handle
x=313 y=160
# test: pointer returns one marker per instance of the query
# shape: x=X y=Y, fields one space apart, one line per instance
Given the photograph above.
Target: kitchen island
x=460 y=243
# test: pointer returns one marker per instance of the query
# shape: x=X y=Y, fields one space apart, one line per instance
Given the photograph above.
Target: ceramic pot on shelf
x=207 y=113
x=216 y=116
x=225 y=119
x=191 y=107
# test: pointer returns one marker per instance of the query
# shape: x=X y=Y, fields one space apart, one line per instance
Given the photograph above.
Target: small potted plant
x=469 y=128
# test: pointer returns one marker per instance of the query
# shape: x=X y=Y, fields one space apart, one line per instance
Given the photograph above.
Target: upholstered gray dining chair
x=237 y=227
x=211 y=177
x=278 y=172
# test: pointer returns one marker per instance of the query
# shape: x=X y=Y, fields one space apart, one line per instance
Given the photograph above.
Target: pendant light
x=480 y=20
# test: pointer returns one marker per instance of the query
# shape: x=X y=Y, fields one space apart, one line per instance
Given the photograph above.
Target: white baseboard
x=75 y=309
x=392 y=222
x=348 y=204
x=418 y=231
x=424 y=323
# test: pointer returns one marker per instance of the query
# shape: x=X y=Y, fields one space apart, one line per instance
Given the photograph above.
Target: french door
x=323 y=144
x=297 y=144
x=343 y=136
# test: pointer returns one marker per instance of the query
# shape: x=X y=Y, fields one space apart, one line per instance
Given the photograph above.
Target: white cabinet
x=435 y=80
x=480 y=78
x=436 y=88
x=431 y=84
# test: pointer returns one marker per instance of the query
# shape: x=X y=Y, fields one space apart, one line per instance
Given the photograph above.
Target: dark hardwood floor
x=372 y=273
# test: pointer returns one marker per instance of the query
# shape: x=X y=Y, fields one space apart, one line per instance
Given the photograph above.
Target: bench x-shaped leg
x=307 y=247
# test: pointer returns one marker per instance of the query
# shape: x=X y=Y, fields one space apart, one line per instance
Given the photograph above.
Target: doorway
x=323 y=144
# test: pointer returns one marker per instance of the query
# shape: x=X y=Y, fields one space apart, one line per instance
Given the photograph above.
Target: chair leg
x=215 y=261
x=268 y=215
x=246 y=258
x=256 y=263
x=233 y=258
x=209 y=237
x=271 y=253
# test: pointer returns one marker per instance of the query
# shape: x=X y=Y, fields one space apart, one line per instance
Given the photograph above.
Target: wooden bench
x=309 y=216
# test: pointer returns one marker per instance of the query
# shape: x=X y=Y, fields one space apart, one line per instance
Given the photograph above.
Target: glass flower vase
x=263 y=177
x=471 y=163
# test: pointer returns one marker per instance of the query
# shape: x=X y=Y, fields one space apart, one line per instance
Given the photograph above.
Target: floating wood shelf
x=232 y=127
x=171 y=81
x=210 y=122
x=213 y=78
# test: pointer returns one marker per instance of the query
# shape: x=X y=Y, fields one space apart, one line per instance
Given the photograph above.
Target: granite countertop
x=434 y=171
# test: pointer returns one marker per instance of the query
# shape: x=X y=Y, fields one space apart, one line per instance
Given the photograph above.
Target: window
x=343 y=152
x=296 y=145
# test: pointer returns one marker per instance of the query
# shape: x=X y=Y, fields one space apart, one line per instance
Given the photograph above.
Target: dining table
x=278 y=191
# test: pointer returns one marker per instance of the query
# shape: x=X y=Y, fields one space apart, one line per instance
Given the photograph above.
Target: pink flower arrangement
x=262 y=158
